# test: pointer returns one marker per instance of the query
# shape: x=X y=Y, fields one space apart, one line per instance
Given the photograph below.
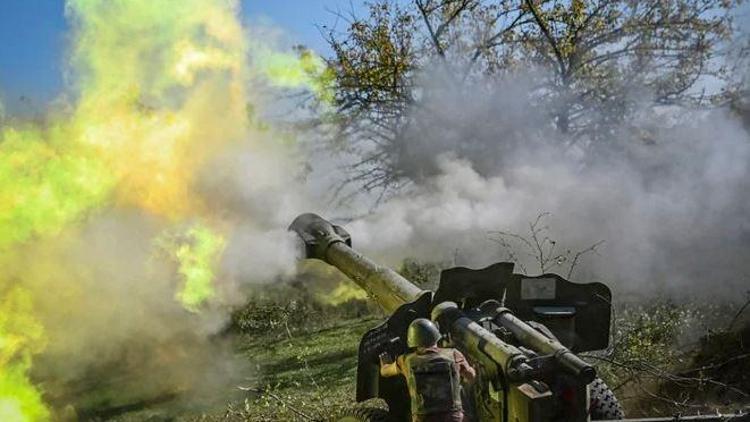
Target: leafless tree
x=540 y=248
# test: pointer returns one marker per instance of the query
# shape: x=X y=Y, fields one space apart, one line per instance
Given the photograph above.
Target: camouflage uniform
x=433 y=376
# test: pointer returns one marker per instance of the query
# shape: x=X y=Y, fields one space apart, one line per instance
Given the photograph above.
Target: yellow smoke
x=21 y=336
x=196 y=253
x=344 y=292
x=160 y=88
x=46 y=182
x=306 y=69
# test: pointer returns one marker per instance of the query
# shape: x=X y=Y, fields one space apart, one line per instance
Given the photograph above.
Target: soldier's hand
x=385 y=358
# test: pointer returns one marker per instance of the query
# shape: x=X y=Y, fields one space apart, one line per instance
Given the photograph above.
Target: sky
x=33 y=41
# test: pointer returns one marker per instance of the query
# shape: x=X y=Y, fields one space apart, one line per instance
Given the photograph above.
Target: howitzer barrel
x=332 y=244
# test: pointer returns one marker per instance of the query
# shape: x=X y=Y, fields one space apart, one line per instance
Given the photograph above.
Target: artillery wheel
x=603 y=404
x=363 y=414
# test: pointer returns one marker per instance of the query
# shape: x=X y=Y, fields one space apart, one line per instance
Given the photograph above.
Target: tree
x=600 y=51
x=374 y=89
x=596 y=61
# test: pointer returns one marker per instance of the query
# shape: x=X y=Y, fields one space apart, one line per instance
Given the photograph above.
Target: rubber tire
x=363 y=414
x=603 y=404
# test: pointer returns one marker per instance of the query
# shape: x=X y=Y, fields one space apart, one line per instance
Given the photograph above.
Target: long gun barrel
x=332 y=244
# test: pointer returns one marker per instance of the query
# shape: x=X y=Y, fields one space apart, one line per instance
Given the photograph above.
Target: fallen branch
x=279 y=399
x=716 y=365
x=738 y=314
x=658 y=373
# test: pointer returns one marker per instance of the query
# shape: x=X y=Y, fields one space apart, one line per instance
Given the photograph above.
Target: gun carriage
x=521 y=333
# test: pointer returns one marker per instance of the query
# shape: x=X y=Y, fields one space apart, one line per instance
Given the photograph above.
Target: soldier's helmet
x=422 y=333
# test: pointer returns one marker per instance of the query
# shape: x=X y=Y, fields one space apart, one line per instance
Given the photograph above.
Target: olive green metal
x=533 y=339
x=422 y=333
x=476 y=340
x=386 y=286
x=331 y=244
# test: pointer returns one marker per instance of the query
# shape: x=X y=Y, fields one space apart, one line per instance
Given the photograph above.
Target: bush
x=290 y=307
x=424 y=274
x=652 y=354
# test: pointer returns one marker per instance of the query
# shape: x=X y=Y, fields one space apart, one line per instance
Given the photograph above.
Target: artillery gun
x=521 y=333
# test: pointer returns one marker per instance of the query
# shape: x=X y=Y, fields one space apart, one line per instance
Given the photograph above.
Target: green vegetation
x=304 y=351
x=310 y=373
x=655 y=349
x=664 y=358
x=667 y=358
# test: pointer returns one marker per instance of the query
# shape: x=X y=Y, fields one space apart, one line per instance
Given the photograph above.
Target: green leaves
x=593 y=56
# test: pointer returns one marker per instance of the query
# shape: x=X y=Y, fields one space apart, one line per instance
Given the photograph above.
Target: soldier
x=433 y=374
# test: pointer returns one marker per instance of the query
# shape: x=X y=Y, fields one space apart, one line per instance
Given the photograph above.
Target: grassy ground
x=651 y=365
x=300 y=373
x=301 y=363
x=307 y=372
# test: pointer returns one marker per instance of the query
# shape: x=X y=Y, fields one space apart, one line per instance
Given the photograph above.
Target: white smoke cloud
x=670 y=200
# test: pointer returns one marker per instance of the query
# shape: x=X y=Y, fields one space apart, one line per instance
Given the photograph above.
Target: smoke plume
x=669 y=194
x=121 y=251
